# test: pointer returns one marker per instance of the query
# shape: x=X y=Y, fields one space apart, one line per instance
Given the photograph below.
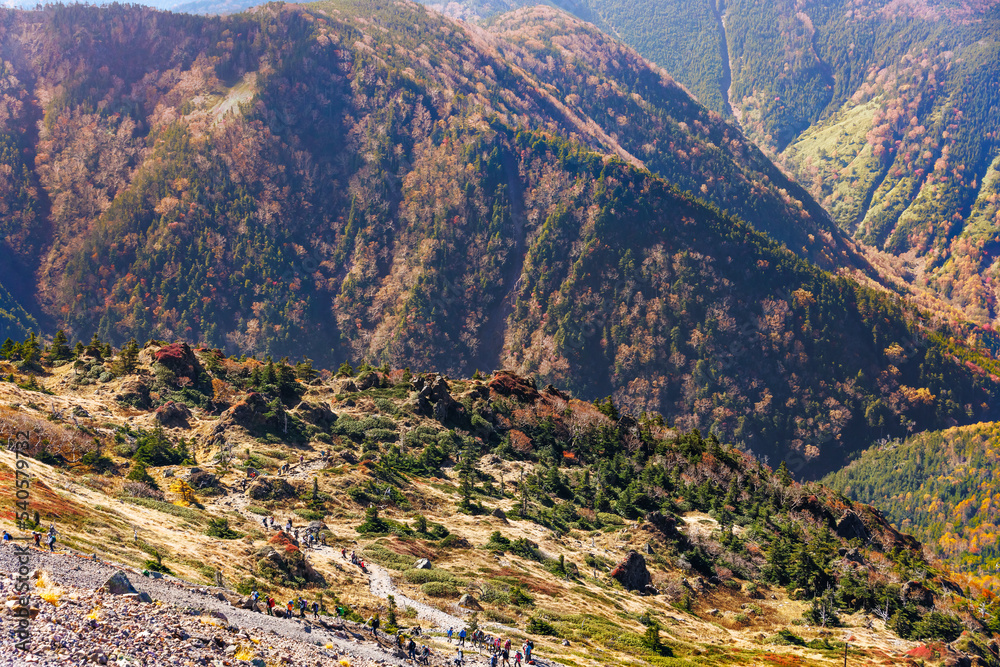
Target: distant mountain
x=373 y=181
x=941 y=487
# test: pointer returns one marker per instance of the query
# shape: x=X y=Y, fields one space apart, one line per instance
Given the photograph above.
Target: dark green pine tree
x=60 y=347
x=128 y=360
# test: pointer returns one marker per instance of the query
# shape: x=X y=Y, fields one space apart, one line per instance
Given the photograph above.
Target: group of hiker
x=36 y=537
x=360 y=562
x=498 y=649
x=419 y=655
x=310 y=537
x=299 y=603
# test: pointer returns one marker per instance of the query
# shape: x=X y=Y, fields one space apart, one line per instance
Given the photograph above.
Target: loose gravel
x=185 y=625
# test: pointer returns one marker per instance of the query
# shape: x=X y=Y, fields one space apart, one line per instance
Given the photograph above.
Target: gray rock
x=422 y=564
x=632 y=572
x=118 y=584
x=469 y=602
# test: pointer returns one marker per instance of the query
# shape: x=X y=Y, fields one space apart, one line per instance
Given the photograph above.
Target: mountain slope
x=377 y=182
x=885 y=111
x=523 y=497
x=15 y=322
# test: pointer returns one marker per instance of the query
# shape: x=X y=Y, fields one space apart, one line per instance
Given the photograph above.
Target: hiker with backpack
x=411 y=648
x=461 y=637
x=253 y=600
x=269 y=606
x=52 y=541
x=450 y=630
x=374 y=621
x=459 y=658
x=315 y=609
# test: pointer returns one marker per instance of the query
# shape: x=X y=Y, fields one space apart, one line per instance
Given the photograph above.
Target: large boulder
x=422 y=564
x=369 y=380
x=134 y=392
x=663 y=524
x=180 y=359
x=632 y=574
x=320 y=415
x=271 y=488
x=202 y=481
x=469 y=602
x=118 y=584
x=852 y=527
x=172 y=414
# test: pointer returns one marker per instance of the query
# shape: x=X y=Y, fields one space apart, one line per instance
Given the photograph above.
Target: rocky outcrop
x=422 y=564
x=271 y=488
x=285 y=565
x=632 y=574
x=814 y=506
x=317 y=414
x=506 y=383
x=916 y=593
x=662 y=524
x=252 y=414
x=369 y=380
x=173 y=415
x=433 y=398
x=202 y=481
x=852 y=527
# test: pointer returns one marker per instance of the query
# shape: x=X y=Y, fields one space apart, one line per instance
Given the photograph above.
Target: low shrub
x=610 y=519
x=425 y=576
x=380 y=555
x=220 y=528
x=439 y=589
x=539 y=626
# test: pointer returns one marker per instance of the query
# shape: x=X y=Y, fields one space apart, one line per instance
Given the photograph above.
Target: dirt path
x=381 y=586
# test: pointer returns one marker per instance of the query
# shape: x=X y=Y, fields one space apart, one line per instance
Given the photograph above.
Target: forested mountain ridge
x=885 y=111
x=373 y=181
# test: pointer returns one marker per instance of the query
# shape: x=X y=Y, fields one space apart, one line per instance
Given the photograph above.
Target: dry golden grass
x=90 y=519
